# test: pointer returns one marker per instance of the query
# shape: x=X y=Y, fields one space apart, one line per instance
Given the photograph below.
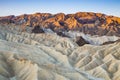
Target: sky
x=19 y=7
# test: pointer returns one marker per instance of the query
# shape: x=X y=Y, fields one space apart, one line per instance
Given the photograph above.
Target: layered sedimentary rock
x=47 y=56
x=81 y=41
x=86 y=22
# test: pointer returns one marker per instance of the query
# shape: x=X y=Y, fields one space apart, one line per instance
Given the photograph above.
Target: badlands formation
x=31 y=52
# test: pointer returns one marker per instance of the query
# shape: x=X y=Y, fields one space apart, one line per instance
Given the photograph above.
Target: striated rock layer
x=29 y=56
x=86 y=22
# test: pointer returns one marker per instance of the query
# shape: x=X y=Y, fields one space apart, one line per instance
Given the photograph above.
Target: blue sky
x=18 y=7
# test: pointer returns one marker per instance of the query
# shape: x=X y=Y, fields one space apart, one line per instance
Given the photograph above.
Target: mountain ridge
x=86 y=22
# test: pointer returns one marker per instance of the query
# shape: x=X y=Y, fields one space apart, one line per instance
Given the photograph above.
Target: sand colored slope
x=28 y=56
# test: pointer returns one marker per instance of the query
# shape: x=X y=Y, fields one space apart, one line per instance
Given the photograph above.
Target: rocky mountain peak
x=87 y=22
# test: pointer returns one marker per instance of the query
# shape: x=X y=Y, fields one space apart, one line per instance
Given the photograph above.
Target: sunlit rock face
x=86 y=22
x=47 y=56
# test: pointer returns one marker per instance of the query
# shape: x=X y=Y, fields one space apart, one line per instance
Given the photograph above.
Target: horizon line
x=30 y=13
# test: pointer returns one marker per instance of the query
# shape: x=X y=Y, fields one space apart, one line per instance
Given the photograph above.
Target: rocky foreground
x=48 y=56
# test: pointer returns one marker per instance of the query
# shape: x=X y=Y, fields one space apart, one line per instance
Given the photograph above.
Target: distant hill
x=86 y=22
